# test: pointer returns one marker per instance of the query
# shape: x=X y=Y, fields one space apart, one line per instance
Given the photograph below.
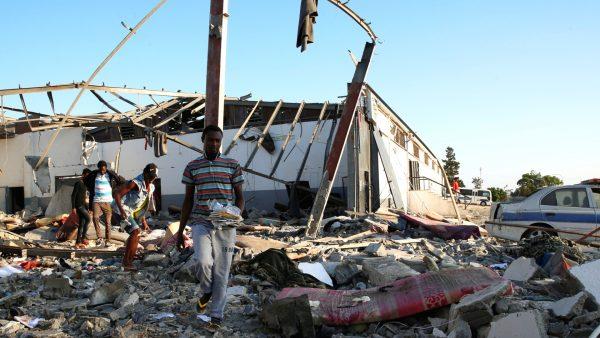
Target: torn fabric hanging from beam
x=308 y=17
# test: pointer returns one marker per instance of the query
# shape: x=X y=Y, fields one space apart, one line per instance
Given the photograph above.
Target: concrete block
x=461 y=330
x=528 y=324
x=381 y=271
x=587 y=275
x=344 y=273
x=586 y=318
x=475 y=308
x=522 y=269
x=55 y=288
x=107 y=293
x=376 y=249
x=569 y=307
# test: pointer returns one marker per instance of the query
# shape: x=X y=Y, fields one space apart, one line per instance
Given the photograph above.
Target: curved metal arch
x=352 y=14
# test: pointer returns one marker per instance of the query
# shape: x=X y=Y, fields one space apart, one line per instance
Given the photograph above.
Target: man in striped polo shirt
x=211 y=177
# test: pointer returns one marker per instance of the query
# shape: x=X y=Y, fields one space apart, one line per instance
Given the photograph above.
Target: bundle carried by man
x=224 y=215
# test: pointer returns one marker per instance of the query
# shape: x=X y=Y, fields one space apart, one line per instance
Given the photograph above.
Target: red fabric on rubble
x=445 y=230
x=29 y=265
x=401 y=298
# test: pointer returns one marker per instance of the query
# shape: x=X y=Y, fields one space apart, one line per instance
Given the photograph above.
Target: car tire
x=483 y=203
x=533 y=233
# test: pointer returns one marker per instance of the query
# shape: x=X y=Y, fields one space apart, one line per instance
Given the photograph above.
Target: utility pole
x=215 y=64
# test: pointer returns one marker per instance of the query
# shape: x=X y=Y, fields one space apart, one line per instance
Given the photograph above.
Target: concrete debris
x=461 y=330
x=476 y=309
x=587 y=275
x=376 y=249
x=570 y=306
x=522 y=269
x=382 y=271
x=107 y=293
x=345 y=272
x=528 y=324
x=86 y=292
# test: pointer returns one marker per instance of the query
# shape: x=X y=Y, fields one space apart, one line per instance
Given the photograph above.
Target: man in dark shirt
x=79 y=207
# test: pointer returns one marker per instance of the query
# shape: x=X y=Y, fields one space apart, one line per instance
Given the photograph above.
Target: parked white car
x=571 y=207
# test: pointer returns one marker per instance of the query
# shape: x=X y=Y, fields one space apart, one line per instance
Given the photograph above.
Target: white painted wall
x=134 y=158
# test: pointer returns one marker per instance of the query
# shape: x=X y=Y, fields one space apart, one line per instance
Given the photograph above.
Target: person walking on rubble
x=207 y=179
x=133 y=200
x=101 y=184
x=78 y=204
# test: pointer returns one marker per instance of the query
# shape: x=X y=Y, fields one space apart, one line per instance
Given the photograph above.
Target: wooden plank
x=287 y=138
x=178 y=112
x=241 y=129
x=450 y=191
x=264 y=133
x=341 y=137
x=64 y=253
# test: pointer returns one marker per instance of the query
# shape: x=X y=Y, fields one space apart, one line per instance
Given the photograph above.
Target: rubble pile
x=380 y=275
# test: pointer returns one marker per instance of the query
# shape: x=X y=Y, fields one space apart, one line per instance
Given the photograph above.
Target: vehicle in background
x=573 y=208
x=475 y=196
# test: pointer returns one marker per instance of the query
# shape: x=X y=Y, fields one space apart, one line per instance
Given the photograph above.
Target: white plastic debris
x=316 y=270
x=163 y=315
x=7 y=270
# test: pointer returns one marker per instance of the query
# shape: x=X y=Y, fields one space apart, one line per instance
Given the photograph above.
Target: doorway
x=15 y=199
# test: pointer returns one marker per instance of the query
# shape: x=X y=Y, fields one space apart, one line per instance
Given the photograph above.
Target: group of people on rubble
x=208 y=179
x=111 y=196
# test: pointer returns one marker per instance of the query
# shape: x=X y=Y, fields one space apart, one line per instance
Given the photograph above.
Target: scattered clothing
x=275 y=267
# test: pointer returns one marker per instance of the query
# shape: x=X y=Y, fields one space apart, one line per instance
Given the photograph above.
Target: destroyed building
x=415 y=168
x=347 y=231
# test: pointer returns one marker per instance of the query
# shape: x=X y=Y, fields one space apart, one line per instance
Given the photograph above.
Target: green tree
x=477 y=182
x=498 y=194
x=533 y=181
x=451 y=165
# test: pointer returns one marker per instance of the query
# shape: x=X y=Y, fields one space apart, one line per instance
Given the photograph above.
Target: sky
x=512 y=86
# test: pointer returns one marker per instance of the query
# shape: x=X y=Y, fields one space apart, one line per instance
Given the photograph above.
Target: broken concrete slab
x=475 y=308
x=376 y=249
x=126 y=299
x=461 y=330
x=522 y=269
x=570 y=306
x=75 y=304
x=381 y=271
x=587 y=275
x=107 y=293
x=155 y=259
x=95 y=326
x=528 y=324
x=586 y=318
x=55 y=288
x=344 y=273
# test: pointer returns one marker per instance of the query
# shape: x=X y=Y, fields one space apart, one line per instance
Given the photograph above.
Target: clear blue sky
x=511 y=85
